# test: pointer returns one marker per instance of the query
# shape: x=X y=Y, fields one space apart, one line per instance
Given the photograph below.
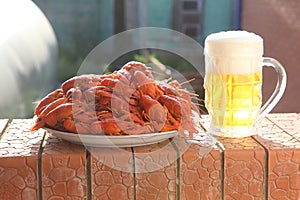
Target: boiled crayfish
x=125 y=102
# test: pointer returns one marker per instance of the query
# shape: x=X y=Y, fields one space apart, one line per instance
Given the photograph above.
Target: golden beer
x=233 y=100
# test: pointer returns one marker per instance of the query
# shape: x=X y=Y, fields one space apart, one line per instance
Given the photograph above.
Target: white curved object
x=28 y=57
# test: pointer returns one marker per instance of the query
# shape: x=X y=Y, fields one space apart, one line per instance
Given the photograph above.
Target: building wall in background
x=80 y=25
x=278 y=23
x=159 y=13
x=217 y=16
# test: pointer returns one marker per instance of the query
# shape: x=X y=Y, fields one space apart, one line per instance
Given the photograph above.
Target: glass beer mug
x=233 y=83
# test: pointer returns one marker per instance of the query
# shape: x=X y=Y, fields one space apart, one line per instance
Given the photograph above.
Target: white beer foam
x=233 y=52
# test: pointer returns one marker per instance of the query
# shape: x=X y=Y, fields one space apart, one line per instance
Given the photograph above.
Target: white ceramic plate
x=113 y=141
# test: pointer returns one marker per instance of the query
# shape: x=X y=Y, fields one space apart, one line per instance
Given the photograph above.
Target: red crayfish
x=125 y=102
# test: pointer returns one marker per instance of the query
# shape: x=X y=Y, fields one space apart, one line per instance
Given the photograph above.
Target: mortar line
x=177 y=169
x=4 y=127
x=222 y=169
x=134 y=173
x=39 y=166
x=88 y=174
x=266 y=169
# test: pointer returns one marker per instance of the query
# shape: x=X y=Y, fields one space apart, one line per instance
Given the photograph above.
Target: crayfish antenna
x=202 y=111
x=188 y=81
x=200 y=104
x=169 y=79
x=196 y=98
x=35 y=102
x=193 y=95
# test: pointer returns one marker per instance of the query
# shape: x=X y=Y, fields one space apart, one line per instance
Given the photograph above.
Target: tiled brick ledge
x=41 y=166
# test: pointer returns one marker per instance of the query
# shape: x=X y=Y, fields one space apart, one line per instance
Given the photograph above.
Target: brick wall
x=278 y=22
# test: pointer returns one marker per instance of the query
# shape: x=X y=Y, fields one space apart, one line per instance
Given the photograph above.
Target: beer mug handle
x=280 y=87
